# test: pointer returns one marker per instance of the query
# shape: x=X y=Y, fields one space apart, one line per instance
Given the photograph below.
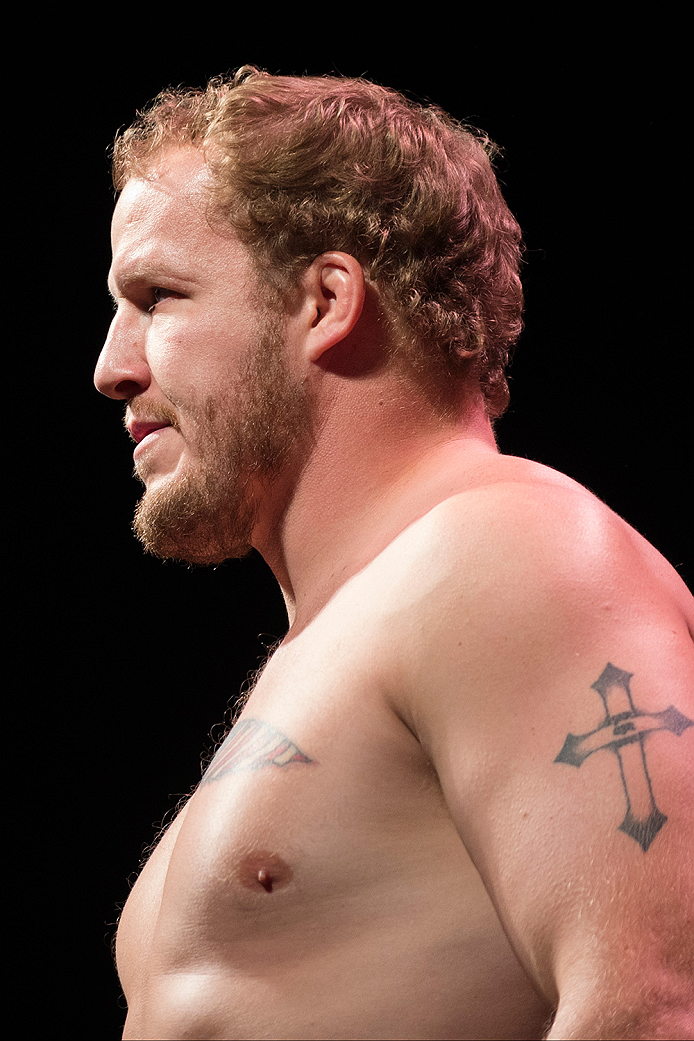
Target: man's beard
x=244 y=440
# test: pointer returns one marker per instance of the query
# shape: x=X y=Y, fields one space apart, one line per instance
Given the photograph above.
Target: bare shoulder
x=532 y=630
x=523 y=575
x=519 y=526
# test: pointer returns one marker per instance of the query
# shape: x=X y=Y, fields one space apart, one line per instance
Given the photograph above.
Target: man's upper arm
x=550 y=676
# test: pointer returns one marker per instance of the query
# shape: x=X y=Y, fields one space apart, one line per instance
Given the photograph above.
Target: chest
x=318 y=802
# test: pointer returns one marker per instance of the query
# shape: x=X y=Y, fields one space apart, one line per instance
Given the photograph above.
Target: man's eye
x=159 y=294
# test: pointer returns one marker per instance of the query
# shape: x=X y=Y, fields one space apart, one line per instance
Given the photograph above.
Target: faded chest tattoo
x=251 y=745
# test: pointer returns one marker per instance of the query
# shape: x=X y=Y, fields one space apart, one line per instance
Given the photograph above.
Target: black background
x=126 y=663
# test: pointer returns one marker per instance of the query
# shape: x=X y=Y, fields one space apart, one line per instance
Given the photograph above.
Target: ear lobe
x=335 y=285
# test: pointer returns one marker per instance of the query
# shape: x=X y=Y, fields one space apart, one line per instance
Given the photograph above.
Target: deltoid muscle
x=250 y=745
x=624 y=731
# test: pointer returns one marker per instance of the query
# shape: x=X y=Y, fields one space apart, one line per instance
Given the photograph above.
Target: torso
x=323 y=898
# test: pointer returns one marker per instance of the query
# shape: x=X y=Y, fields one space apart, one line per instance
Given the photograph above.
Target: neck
x=382 y=458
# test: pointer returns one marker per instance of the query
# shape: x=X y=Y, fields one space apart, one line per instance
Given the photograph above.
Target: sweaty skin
x=393 y=841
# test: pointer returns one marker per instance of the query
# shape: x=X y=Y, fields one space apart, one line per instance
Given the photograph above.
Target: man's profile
x=458 y=801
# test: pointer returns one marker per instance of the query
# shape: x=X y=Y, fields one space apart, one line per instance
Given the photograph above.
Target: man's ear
x=334 y=290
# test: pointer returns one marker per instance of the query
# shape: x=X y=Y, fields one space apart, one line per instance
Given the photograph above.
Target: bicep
x=560 y=722
x=578 y=814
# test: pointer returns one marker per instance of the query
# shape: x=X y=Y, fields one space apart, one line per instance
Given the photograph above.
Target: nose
x=122 y=371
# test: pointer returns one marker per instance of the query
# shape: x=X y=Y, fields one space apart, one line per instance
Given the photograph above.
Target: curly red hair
x=303 y=165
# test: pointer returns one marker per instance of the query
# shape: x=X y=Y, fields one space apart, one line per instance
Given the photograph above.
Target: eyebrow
x=131 y=275
x=142 y=271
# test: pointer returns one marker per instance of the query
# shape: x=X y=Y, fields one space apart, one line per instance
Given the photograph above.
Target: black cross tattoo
x=624 y=731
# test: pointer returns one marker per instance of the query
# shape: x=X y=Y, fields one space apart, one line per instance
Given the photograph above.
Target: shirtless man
x=458 y=802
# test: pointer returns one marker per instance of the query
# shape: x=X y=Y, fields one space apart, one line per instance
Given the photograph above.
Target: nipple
x=265 y=880
x=264 y=870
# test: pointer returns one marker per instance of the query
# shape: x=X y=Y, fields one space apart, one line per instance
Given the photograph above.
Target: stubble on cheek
x=203 y=513
x=207 y=512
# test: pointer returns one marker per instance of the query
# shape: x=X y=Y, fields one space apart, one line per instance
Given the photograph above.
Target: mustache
x=152 y=412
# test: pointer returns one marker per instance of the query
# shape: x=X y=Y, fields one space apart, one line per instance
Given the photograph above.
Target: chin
x=196 y=521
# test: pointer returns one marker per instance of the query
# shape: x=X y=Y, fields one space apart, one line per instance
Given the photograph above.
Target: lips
x=140 y=429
